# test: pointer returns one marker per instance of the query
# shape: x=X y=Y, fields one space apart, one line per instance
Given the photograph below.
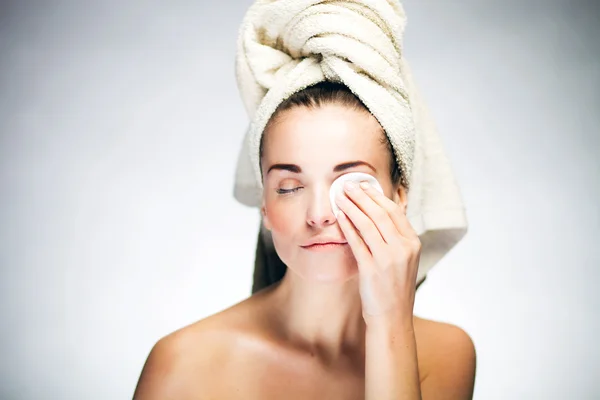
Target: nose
x=319 y=212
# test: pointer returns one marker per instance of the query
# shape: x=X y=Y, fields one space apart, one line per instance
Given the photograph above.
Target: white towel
x=287 y=45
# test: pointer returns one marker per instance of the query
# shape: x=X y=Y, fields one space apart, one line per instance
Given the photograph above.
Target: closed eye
x=288 y=191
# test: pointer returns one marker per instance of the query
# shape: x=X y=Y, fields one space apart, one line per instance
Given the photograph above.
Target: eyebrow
x=338 y=168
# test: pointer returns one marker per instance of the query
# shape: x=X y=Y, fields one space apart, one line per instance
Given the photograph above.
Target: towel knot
x=341 y=37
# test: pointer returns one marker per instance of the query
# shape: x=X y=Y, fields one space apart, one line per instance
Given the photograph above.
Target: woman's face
x=304 y=151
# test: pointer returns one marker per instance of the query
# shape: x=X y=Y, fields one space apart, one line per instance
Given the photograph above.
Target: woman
x=334 y=317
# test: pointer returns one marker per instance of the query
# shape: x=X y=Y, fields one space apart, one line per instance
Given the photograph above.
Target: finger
x=364 y=225
x=395 y=211
x=375 y=212
x=357 y=245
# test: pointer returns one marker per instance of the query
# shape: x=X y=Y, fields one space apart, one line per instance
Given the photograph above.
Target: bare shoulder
x=177 y=364
x=182 y=364
x=447 y=359
x=442 y=339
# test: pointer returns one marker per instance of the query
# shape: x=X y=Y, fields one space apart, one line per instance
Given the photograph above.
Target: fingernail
x=364 y=185
x=350 y=185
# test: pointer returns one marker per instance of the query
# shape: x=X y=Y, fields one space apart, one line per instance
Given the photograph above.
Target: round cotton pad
x=338 y=186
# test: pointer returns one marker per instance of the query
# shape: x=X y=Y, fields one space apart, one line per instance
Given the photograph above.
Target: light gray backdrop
x=120 y=124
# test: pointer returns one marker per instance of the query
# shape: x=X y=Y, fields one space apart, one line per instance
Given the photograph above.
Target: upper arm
x=451 y=371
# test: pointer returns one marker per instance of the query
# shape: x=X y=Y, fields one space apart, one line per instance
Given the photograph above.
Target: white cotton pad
x=338 y=186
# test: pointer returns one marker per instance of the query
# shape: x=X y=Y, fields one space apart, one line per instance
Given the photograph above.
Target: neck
x=322 y=318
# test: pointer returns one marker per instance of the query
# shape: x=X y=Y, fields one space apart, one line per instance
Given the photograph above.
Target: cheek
x=286 y=217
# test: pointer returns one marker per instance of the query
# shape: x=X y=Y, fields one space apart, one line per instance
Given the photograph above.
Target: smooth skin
x=340 y=324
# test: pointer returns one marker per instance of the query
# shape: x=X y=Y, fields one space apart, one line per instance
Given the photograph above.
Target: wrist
x=390 y=323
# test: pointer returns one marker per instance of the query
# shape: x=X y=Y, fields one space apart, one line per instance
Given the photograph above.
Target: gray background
x=117 y=218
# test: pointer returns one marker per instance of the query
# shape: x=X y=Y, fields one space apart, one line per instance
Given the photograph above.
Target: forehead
x=328 y=135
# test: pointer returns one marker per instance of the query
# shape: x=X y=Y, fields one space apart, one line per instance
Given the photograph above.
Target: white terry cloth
x=287 y=45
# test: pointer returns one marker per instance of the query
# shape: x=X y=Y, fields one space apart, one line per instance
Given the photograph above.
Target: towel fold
x=285 y=46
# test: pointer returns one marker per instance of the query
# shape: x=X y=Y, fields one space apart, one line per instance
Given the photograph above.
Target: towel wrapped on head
x=285 y=46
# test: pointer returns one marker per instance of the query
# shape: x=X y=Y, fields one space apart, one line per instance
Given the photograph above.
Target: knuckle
x=411 y=246
x=417 y=243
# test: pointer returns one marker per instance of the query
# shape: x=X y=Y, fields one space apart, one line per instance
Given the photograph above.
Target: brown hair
x=268 y=267
x=324 y=93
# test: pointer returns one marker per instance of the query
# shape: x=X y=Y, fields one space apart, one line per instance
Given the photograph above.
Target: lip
x=324 y=240
x=324 y=246
x=325 y=243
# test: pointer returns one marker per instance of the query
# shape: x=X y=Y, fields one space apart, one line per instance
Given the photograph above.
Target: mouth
x=325 y=246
